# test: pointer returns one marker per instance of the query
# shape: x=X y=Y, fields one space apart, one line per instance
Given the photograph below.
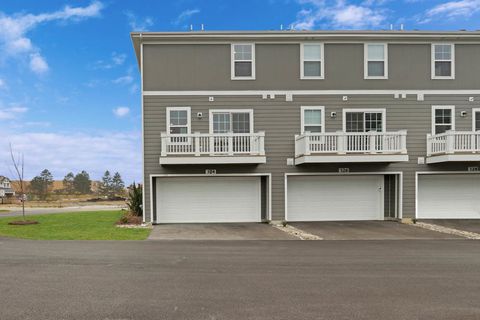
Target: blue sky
x=69 y=83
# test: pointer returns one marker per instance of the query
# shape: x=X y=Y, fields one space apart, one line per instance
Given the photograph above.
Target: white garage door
x=332 y=198
x=448 y=196
x=208 y=199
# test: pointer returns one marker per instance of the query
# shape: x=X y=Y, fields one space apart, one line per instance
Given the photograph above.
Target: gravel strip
x=302 y=235
x=461 y=233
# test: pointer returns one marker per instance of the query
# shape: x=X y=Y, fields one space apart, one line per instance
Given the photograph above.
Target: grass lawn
x=94 y=225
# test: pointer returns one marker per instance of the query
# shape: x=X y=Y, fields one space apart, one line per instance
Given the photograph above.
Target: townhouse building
x=309 y=125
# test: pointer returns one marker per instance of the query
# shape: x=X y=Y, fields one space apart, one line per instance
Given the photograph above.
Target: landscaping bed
x=91 y=225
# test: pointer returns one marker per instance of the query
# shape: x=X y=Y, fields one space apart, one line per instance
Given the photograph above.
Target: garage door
x=208 y=199
x=448 y=196
x=332 y=198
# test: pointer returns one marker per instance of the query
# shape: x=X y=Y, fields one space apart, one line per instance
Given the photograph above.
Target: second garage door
x=208 y=199
x=332 y=198
x=448 y=196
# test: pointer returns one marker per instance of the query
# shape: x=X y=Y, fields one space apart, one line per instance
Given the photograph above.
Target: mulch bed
x=23 y=222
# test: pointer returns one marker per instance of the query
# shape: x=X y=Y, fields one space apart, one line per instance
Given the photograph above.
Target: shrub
x=134 y=200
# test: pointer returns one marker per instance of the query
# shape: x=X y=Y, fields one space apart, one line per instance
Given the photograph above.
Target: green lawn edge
x=86 y=225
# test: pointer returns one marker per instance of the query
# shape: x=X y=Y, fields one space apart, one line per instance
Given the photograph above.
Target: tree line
x=110 y=186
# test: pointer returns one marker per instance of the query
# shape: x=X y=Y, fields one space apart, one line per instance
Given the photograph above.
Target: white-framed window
x=312 y=64
x=476 y=119
x=364 y=120
x=376 y=61
x=178 y=120
x=312 y=119
x=231 y=120
x=443 y=61
x=443 y=119
x=243 y=61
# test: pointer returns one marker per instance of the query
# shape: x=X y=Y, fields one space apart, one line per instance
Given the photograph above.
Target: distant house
x=6 y=190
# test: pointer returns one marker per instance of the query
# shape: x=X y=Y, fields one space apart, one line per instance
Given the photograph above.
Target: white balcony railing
x=351 y=143
x=452 y=142
x=213 y=144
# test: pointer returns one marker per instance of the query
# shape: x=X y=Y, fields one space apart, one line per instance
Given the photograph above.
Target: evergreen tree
x=68 y=183
x=82 y=183
x=106 y=186
x=41 y=185
x=117 y=184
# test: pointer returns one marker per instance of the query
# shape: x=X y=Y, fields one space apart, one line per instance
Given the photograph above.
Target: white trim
x=213 y=160
x=398 y=173
x=417 y=173
x=474 y=118
x=269 y=184
x=433 y=60
x=383 y=111
x=143 y=138
x=261 y=93
x=232 y=61
x=302 y=117
x=453 y=158
x=436 y=107
x=212 y=111
x=353 y=158
x=322 y=61
x=189 y=118
x=366 y=60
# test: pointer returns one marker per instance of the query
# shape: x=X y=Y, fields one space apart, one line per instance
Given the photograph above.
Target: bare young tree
x=18 y=165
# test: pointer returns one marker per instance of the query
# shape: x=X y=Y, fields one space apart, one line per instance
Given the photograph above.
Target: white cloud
x=185 y=15
x=62 y=153
x=121 y=111
x=123 y=80
x=452 y=10
x=138 y=24
x=14 y=29
x=38 y=63
x=3 y=84
x=116 y=59
x=12 y=112
x=339 y=14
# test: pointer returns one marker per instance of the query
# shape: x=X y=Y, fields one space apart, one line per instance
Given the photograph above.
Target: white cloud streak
x=121 y=112
x=185 y=15
x=14 y=30
x=138 y=24
x=12 y=113
x=452 y=10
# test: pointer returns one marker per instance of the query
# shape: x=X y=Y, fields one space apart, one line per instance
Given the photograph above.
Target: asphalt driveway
x=368 y=230
x=470 y=225
x=205 y=280
x=218 y=231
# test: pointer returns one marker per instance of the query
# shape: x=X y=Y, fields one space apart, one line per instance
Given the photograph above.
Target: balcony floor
x=349 y=158
x=471 y=157
x=170 y=160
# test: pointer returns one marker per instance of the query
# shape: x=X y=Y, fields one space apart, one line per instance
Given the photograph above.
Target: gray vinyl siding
x=170 y=67
x=281 y=122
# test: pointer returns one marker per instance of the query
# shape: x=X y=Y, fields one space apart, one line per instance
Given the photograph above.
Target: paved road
x=33 y=211
x=426 y=279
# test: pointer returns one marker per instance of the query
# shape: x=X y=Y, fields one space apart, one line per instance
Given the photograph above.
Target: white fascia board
x=352 y=158
x=453 y=158
x=213 y=160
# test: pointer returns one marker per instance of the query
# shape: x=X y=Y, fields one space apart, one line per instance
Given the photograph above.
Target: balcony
x=351 y=147
x=453 y=146
x=212 y=148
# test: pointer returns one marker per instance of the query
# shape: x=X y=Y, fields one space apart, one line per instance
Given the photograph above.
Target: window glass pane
x=354 y=122
x=242 y=52
x=313 y=129
x=243 y=69
x=373 y=122
x=442 y=128
x=443 y=52
x=221 y=122
x=376 y=69
x=376 y=52
x=312 y=117
x=312 y=52
x=443 y=68
x=477 y=121
x=241 y=122
x=178 y=117
x=312 y=69
x=443 y=116
x=178 y=130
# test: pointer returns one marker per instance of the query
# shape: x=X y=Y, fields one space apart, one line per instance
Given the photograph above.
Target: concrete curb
x=460 y=233
x=302 y=235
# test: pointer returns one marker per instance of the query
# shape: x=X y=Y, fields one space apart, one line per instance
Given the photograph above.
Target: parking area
x=369 y=230
x=218 y=231
x=469 y=225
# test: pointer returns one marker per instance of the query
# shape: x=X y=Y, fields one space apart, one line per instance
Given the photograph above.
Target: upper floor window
x=243 y=61
x=376 y=61
x=178 y=120
x=443 y=119
x=312 y=119
x=312 y=61
x=364 y=120
x=443 y=61
x=234 y=121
